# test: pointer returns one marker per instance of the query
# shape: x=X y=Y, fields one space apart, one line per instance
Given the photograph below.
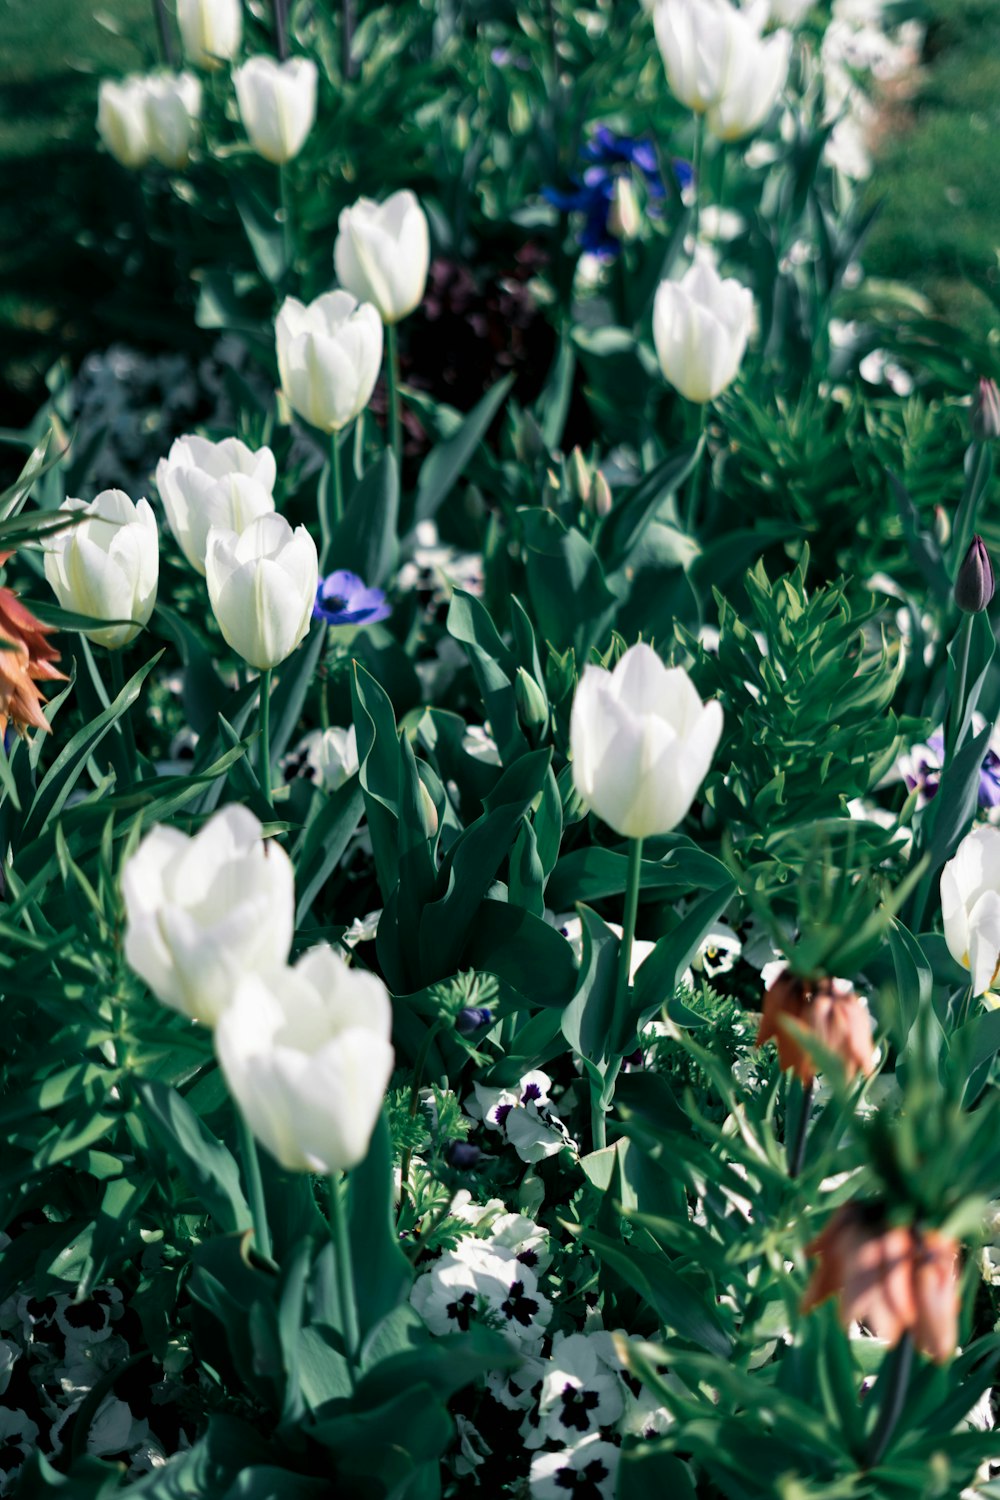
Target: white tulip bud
x=262 y=587
x=625 y=215
x=718 y=63
x=121 y=120
x=277 y=104
x=970 y=906
x=329 y=355
x=173 y=108
x=202 y=911
x=642 y=743
x=204 y=484
x=211 y=30
x=307 y=1057
x=383 y=252
x=107 y=566
x=700 y=327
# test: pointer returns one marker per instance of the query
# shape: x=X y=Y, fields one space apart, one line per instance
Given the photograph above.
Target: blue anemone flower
x=345 y=599
x=609 y=156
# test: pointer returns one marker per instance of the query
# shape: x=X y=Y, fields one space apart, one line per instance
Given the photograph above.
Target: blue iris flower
x=609 y=156
x=345 y=599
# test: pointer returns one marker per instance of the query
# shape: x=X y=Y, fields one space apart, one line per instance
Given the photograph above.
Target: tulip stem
x=163 y=32
x=254 y=1186
x=344 y=1270
x=600 y=1102
x=699 y=142
x=694 y=488
x=395 y=408
x=892 y=1405
x=287 y=226
x=264 y=754
x=281 y=29
x=797 y=1155
x=961 y=679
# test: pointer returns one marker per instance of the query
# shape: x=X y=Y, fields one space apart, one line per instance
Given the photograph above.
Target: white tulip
x=754 y=77
x=202 y=911
x=173 y=108
x=204 y=484
x=107 y=566
x=307 y=1057
x=718 y=64
x=329 y=355
x=121 y=120
x=382 y=253
x=700 y=327
x=210 y=30
x=693 y=37
x=642 y=742
x=277 y=103
x=970 y=906
x=262 y=587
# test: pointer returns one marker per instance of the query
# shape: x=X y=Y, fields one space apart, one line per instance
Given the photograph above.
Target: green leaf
x=382 y=1273
x=587 y=1019
x=677 y=1303
x=365 y=541
x=569 y=594
x=443 y=467
x=204 y=1163
x=65 y=770
x=324 y=842
x=632 y=512
x=660 y=975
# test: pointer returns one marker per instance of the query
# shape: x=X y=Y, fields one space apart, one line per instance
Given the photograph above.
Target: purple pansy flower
x=923 y=766
x=345 y=599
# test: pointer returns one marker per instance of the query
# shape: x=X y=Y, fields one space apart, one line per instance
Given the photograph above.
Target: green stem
x=395 y=407
x=892 y=1406
x=125 y=722
x=418 y=1075
x=287 y=223
x=694 y=486
x=331 y=512
x=281 y=29
x=264 y=755
x=699 y=142
x=167 y=54
x=254 y=1186
x=600 y=1103
x=344 y=1271
x=957 y=706
x=797 y=1156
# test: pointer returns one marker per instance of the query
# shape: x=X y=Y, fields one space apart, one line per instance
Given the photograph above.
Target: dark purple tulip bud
x=473 y=1018
x=984 y=419
x=462 y=1155
x=974 y=582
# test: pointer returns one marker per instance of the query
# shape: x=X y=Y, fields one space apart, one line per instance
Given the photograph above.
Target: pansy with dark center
x=576 y=1403
x=461 y=1310
x=584 y=1484
x=343 y=598
x=518 y=1306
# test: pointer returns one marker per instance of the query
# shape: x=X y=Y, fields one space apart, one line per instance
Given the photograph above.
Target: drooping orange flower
x=831 y=1010
x=26 y=658
x=890 y=1278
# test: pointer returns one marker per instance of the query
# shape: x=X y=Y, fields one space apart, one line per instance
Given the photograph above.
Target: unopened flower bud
x=462 y=1155
x=471 y=1018
x=578 y=476
x=529 y=440
x=974 y=583
x=942 y=526
x=984 y=419
x=430 y=812
x=625 y=217
x=532 y=704
x=600 y=498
